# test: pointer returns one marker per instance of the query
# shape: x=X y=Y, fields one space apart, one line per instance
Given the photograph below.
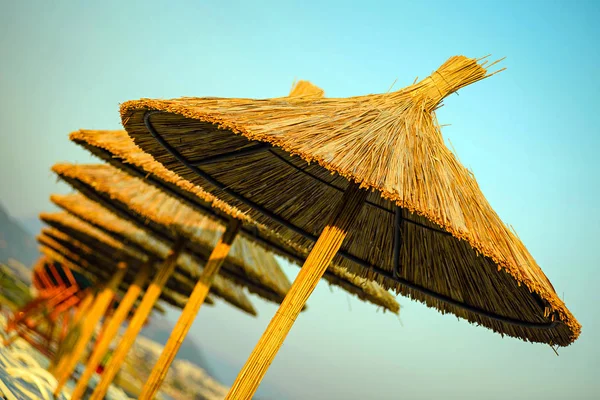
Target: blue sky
x=530 y=135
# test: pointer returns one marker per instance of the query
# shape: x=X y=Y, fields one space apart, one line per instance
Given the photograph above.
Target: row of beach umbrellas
x=196 y=196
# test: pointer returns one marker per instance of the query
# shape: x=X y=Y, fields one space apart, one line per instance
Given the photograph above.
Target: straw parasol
x=104 y=251
x=421 y=226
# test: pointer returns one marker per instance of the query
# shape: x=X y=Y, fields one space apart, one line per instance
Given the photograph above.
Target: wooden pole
x=135 y=326
x=59 y=359
x=314 y=267
x=88 y=326
x=184 y=323
x=112 y=330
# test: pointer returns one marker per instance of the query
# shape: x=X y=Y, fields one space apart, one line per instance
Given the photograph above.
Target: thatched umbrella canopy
x=107 y=251
x=371 y=178
x=453 y=251
x=57 y=250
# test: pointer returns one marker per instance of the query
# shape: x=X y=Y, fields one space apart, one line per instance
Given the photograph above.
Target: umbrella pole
x=84 y=306
x=87 y=329
x=112 y=330
x=184 y=323
x=105 y=321
x=135 y=325
x=314 y=267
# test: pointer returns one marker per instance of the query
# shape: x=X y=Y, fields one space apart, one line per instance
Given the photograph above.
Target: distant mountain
x=15 y=241
x=159 y=329
x=33 y=225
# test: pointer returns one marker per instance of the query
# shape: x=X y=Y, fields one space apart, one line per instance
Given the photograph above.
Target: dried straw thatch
x=103 y=248
x=117 y=148
x=50 y=248
x=286 y=165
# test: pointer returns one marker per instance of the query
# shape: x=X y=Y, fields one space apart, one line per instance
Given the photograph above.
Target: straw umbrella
x=368 y=181
x=63 y=248
x=162 y=217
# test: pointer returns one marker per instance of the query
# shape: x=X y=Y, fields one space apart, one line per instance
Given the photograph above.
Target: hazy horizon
x=529 y=134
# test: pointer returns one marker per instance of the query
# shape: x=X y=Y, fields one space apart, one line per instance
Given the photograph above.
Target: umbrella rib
x=233 y=154
x=266 y=147
x=397 y=241
x=239 y=197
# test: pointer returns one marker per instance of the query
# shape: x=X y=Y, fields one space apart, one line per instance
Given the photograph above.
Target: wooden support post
x=112 y=330
x=102 y=331
x=59 y=360
x=88 y=326
x=314 y=267
x=184 y=323
x=137 y=322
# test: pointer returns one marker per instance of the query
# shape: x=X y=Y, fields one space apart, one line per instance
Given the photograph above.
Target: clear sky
x=530 y=135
